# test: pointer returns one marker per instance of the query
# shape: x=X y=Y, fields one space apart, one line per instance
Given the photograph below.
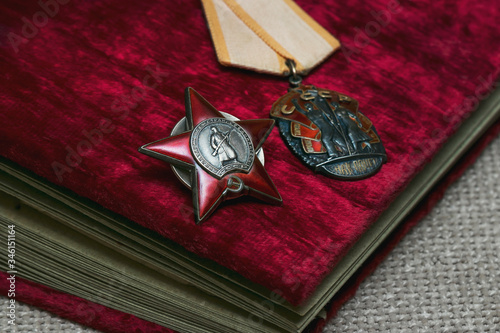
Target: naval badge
x=216 y=155
x=327 y=132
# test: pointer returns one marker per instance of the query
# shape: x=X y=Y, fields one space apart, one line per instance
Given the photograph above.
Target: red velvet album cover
x=85 y=84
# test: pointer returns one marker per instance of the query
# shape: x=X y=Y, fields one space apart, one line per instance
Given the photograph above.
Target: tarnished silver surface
x=221 y=146
x=180 y=127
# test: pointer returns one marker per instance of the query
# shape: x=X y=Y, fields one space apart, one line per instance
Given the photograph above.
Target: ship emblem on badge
x=327 y=132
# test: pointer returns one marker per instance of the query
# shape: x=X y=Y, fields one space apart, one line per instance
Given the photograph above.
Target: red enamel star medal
x=216 y=156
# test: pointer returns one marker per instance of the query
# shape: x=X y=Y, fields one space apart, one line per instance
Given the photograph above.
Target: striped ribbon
x=261 y=35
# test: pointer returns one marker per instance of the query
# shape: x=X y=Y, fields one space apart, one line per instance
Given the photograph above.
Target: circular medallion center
x=221 y=146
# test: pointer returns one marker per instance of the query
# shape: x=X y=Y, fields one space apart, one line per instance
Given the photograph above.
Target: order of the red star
x=208 y=191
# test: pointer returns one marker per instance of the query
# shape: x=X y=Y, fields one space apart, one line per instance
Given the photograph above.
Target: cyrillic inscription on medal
x=355 y=168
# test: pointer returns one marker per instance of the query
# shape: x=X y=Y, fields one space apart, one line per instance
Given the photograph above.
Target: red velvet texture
x=102 y=78
x=114 y=321
x=423 y=209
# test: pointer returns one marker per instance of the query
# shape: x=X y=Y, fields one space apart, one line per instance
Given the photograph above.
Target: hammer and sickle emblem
x=235 y=184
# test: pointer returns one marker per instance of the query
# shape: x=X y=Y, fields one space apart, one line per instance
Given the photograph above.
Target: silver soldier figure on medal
x=222 y=147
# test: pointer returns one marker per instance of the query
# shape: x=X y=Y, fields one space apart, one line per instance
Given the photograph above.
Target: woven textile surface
x=120 y=67
x=443 y=276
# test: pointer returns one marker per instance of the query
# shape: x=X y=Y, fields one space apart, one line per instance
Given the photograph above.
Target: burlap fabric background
x=443 y=277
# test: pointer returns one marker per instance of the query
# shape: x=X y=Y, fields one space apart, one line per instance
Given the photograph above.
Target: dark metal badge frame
x=328 y=133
